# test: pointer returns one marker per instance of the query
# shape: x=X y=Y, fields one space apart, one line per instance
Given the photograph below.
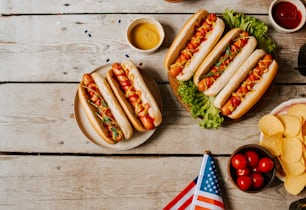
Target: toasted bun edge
x=204 y=49
x=114 y=105
x=238 y=77
x=258 y=91
x=185 y=33
x=93 y=119
x=214 y=54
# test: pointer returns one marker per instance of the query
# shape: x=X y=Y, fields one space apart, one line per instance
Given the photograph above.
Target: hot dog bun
x=134 y=96
x=247 y=85
x=222 y=55
x=237 y=78
x=185 y=67
x=121 y=127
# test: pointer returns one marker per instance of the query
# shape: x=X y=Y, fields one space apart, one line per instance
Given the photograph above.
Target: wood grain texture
x=131 y=6
x=46 y=161
x=42 y=121
x=74 y=44
x=80 y=182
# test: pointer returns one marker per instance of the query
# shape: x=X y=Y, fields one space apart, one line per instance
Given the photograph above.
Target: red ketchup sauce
x=286 y=15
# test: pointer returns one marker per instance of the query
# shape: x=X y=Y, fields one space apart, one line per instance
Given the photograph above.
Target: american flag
x=207 y=192
x=183 y=200
x=207 y=195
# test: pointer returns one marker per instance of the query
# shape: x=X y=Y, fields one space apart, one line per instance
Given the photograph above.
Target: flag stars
x=209 y=184
x=207 y=187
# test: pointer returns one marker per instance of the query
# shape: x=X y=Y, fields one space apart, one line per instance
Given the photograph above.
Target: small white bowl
x=148 y=34
x=300 y=7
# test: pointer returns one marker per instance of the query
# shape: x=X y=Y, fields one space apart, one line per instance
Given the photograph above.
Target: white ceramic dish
x=137 y=139
x=138 y=21
x=300 y=7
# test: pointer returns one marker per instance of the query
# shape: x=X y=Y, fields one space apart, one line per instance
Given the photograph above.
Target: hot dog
x=222 y=62
x=103 y=110
x=134 y=96
x=192 y=44
x=247 y=85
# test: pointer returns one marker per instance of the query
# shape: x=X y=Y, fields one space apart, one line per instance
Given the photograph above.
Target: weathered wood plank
x=74 y=44
x=45 y=47
x=41 y=120
x=131 y=6
x=81 y=182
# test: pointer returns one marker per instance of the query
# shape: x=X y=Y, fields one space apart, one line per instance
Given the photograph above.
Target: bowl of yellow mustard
x=145 y=34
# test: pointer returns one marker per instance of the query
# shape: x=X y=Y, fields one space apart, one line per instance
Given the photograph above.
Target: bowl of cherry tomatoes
x=251 y=168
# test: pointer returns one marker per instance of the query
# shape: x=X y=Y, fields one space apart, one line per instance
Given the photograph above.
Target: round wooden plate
x=174 y=86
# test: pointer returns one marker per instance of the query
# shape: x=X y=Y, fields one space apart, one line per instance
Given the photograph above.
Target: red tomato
x=257 y=180
x=256 y=170
x=252 y=158
x=243 y=171
x=239 y=161
x=265 y=164
x=244 y=182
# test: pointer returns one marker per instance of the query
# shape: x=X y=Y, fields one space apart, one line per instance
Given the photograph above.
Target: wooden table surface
x=46 y=161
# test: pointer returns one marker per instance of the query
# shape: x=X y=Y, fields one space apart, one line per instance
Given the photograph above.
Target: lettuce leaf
x=200 y=105
x=252 y=25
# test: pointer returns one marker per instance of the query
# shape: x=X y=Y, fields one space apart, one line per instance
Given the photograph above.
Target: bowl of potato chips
x=283 y=133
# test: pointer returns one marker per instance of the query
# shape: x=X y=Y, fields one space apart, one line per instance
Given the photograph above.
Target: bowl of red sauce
x=287 y=15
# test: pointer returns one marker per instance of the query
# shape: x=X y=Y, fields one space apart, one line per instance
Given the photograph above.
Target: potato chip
x=291 y=123
x=304 y=128
x=295 y=184
x=293 y=168
x=300 y=136
x=271 y=125
x=304 y=153
x=272 y=143
x=292 y=149
x=298 y=110
x=286 y=139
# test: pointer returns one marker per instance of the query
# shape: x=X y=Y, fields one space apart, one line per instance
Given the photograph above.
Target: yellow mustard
x=144 y=36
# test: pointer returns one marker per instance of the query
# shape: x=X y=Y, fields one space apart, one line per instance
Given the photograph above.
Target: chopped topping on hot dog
x=247 y=85
x=232 y=50
x=102 y=109
x=126 y=81
x=193 y=45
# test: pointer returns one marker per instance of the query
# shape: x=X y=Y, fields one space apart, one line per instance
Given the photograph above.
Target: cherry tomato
x=244 y=182
x=239 y=161
x=243 y=171
x=252 y=158
x=256 y=170
x=257 y=180
x=265 y=164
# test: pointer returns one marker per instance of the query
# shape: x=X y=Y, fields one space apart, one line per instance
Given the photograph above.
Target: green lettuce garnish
x=200 y=105
x=253 y=26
